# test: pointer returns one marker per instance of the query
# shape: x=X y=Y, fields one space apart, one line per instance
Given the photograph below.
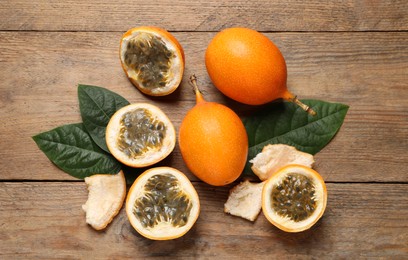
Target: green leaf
x=97 y=105
x=286 y=123
x=132 y=173
x=71 y=148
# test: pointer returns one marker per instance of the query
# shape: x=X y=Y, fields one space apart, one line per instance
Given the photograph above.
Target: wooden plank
x=45 y=220
x=214 y=15
x=368 y=71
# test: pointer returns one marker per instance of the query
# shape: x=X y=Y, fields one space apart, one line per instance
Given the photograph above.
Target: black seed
x=163 y=201
x=137 y=130
x=294 y=197
x=150 y=54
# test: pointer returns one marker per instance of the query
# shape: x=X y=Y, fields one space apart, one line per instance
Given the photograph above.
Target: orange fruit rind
x=105 y=198
x=248 y=67
x=213 y=141
x=275 y=156
x=245 y=200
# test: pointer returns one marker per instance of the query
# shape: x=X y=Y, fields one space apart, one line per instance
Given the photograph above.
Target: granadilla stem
x=193 y=82
x=305 y=107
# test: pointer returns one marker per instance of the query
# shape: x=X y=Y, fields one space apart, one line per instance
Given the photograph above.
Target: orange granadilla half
x=140 y=135
x=152 y=59
x=162 y=204
x=294 y=198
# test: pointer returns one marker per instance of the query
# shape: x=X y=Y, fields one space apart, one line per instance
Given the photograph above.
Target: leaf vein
x=296 y=129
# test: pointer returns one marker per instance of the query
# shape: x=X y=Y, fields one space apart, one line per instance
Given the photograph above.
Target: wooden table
x=353 y=52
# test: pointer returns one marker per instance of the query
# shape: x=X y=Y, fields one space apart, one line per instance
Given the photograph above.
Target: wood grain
x=45 y=220
x=354 y=52
x=368 y=71
x=213 y=15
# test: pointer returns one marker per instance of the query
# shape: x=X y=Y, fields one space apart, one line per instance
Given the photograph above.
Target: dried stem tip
x=193 y=82
x=305 y=107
